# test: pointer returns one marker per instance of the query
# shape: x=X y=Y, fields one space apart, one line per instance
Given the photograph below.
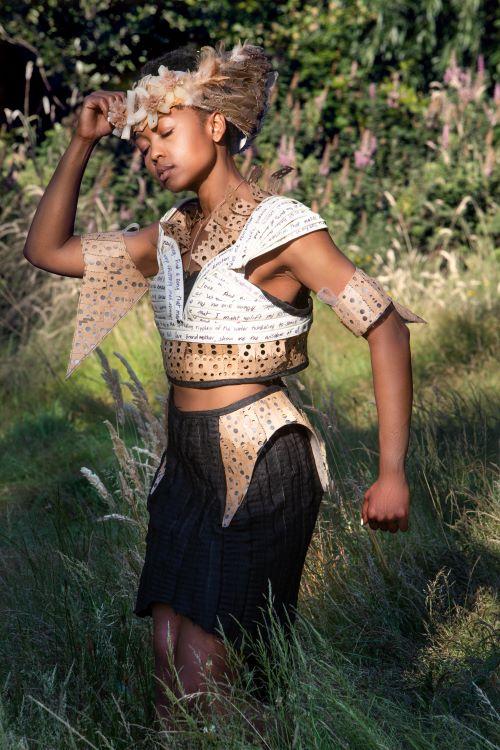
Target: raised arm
x=364 y=308
x=51 y=243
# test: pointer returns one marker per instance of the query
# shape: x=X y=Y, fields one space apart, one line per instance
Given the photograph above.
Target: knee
x=166 y=625
x=195 y=672
x=163 y=648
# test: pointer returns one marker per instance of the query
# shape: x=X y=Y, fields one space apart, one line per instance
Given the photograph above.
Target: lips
x=164 y=172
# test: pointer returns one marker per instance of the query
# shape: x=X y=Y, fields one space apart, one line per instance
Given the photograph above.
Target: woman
x=234 y=501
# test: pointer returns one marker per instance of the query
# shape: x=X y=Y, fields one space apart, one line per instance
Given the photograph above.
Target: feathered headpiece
x=237 y=83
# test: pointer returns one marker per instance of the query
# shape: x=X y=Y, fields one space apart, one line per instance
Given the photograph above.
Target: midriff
x=194 y=399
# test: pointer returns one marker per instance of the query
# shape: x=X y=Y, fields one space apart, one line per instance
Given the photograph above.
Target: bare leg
x=166 y=628
x=198 y=655
x=185 y=655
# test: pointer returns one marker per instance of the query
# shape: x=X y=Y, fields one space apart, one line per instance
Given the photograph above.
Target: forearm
x=54 y=220
x=393 y=388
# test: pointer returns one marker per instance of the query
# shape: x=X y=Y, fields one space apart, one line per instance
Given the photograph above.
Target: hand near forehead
x=93 y=119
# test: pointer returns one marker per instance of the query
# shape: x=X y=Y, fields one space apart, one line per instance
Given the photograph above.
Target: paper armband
x=111 y=285
x=361 y=303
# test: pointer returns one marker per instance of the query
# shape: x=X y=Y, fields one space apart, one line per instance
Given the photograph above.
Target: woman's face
x=180 y=151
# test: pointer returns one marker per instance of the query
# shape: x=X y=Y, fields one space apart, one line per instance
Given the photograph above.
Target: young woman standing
x=234 y=500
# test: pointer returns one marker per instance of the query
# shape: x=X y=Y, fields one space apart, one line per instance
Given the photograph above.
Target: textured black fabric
x=216 y=576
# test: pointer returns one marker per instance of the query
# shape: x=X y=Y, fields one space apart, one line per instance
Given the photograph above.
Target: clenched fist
x=386 y=504
x=93 y=120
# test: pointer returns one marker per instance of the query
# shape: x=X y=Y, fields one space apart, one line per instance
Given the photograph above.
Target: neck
x=222 y=177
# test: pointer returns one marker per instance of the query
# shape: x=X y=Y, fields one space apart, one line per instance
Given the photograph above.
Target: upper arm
x=68 y=260
x=358 y=299
x=319 y=264
x=316 y=261
x=141 y=246
x=299 y=237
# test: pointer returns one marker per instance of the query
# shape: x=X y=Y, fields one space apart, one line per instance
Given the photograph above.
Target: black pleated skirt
x=229 y=578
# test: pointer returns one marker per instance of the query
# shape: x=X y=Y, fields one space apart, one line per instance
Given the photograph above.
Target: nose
x=156 y=150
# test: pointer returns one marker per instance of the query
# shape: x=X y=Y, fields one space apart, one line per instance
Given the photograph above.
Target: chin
x=177 y=186
x=173 y=188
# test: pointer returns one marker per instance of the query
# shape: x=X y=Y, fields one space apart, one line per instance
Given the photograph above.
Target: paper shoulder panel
x=170 y=212
x=277 y=221
x=111 y=285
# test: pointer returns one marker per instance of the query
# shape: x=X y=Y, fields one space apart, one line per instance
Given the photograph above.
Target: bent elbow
x=31 y=258
x=401 y=330
x=27 y=254
x=29 y=251
x=389 y=327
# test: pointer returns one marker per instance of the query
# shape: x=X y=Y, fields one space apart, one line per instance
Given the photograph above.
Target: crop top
x=218 y=328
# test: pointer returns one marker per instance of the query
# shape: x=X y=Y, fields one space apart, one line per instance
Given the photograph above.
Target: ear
x=216 y=124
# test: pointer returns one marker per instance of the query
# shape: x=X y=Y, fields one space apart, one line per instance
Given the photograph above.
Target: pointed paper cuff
x=111 y=285
x=361 y=303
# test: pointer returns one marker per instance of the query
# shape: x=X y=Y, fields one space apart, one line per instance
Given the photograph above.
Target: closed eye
x=162 y=135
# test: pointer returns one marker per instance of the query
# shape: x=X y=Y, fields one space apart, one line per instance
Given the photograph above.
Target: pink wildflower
x=286 y=151
x=496 y=94
x=324 y=167
x=445 y=136
x=363 y=155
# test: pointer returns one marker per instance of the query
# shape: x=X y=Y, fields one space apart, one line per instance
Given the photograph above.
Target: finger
x=404 y=524
x=393 y=526
x=383 y=525
x=99 y=103
x=115 y=99
x=372 y=523
x=107 y=97
x=105 y=107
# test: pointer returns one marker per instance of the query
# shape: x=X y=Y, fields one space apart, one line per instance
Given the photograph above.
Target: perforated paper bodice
x=226 y=328
x=223 y=306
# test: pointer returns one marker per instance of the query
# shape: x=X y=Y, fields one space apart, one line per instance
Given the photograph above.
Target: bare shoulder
x=312 y=256
x=141 y=246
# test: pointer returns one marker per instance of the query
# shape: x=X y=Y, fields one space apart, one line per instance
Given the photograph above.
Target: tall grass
x=395 y=644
